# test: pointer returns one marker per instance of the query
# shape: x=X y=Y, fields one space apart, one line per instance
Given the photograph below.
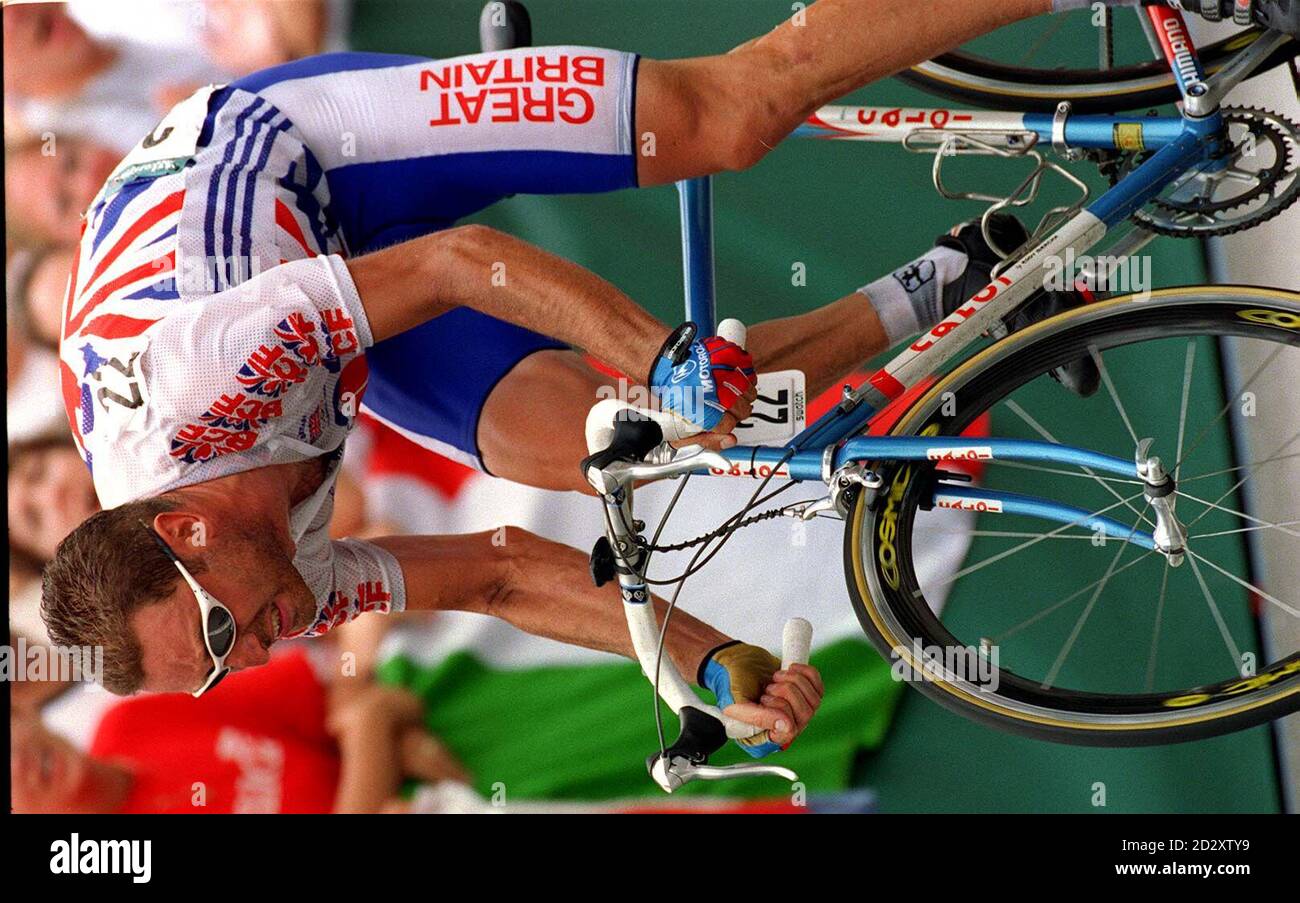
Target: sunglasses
x=218 y=622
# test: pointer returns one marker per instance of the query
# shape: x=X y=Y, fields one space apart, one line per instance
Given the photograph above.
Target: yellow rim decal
x=1282 y=318
x=1245 y=685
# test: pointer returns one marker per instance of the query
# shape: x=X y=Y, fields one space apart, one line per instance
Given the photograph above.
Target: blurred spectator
x=25 y=599
x=49 y=183
x=15 y=338
x=48 y=774
x=28 y=697
x=59 y=80
x=267 y=32
x=37 y=289
x=247 y=35
x=274 y=739
x=35 y=406
x=114 y=88
x=50 y=493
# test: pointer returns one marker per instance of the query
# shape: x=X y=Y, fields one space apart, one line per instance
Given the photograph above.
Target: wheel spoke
x=1289 y=523
x=1026 y=544
x=1042 y=613
x=1247 y=585
x=1155 y=631
x=1215 y=473
x=1214 y=506
x=1045 y=37
x=1200 y=437
x=1089 y=475
x=1083 y=617
x=1182 y=408
x=1114 y=395
x=1233 y=488
x=1218 y=617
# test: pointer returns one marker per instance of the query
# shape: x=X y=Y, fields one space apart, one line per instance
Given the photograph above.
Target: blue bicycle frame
x=1178 y=144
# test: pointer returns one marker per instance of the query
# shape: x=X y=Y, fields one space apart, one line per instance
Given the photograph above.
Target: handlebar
x=733 y=331
x=627 y=444
x=615 y=430
x=704 y=730
x=503 y=25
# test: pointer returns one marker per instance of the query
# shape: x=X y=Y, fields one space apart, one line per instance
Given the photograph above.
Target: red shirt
x=255 y=743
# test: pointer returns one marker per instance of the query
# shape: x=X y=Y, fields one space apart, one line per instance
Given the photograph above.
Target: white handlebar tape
x=733 y=331
x=600 y=423
x=604 y=414
x=796 y=642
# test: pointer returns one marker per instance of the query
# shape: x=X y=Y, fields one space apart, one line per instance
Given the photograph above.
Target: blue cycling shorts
x=396 y=147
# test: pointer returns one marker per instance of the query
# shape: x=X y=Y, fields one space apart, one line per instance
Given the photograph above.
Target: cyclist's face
x=49 y=186
x=48 y=773
x=253 y=575
x=50 y=493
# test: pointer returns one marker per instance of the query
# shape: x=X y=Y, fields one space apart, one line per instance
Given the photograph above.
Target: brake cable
x=691 y=569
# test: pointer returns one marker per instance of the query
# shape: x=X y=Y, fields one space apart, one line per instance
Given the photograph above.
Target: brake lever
x=680 y=771
x=664 y=463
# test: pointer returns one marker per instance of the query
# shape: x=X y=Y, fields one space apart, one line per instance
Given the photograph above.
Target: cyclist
x=277 y=248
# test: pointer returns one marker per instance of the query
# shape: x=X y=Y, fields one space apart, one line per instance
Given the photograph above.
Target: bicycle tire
x=980 y=81
x=894 y=617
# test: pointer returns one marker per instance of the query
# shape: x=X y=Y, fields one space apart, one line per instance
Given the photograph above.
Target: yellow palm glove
x=739 y=672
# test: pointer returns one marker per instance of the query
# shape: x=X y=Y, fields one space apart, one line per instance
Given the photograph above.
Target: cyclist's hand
x=1276 y=14
x=751 y=687
x=708 y=384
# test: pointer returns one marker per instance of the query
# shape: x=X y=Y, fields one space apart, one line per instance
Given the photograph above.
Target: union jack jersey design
x=209 y=319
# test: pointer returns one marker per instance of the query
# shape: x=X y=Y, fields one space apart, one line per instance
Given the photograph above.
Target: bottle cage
x=946 y=144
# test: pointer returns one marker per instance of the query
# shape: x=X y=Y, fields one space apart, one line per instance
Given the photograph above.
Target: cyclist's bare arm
x=709 y=114
x=479 y=267
x=539 y=586
x=545 y=588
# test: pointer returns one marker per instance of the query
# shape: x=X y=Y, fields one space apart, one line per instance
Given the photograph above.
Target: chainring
x=1197 y=207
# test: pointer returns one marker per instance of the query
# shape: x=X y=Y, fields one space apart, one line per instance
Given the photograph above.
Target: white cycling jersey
x=176 y=369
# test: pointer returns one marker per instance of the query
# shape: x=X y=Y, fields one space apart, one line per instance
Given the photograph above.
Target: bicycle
x=887 y=453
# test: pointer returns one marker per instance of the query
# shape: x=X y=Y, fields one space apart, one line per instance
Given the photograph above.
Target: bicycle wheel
x=1088 y=641
x=1137 y=81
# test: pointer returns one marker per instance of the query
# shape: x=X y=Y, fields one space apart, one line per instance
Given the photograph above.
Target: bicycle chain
x=721 y=531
